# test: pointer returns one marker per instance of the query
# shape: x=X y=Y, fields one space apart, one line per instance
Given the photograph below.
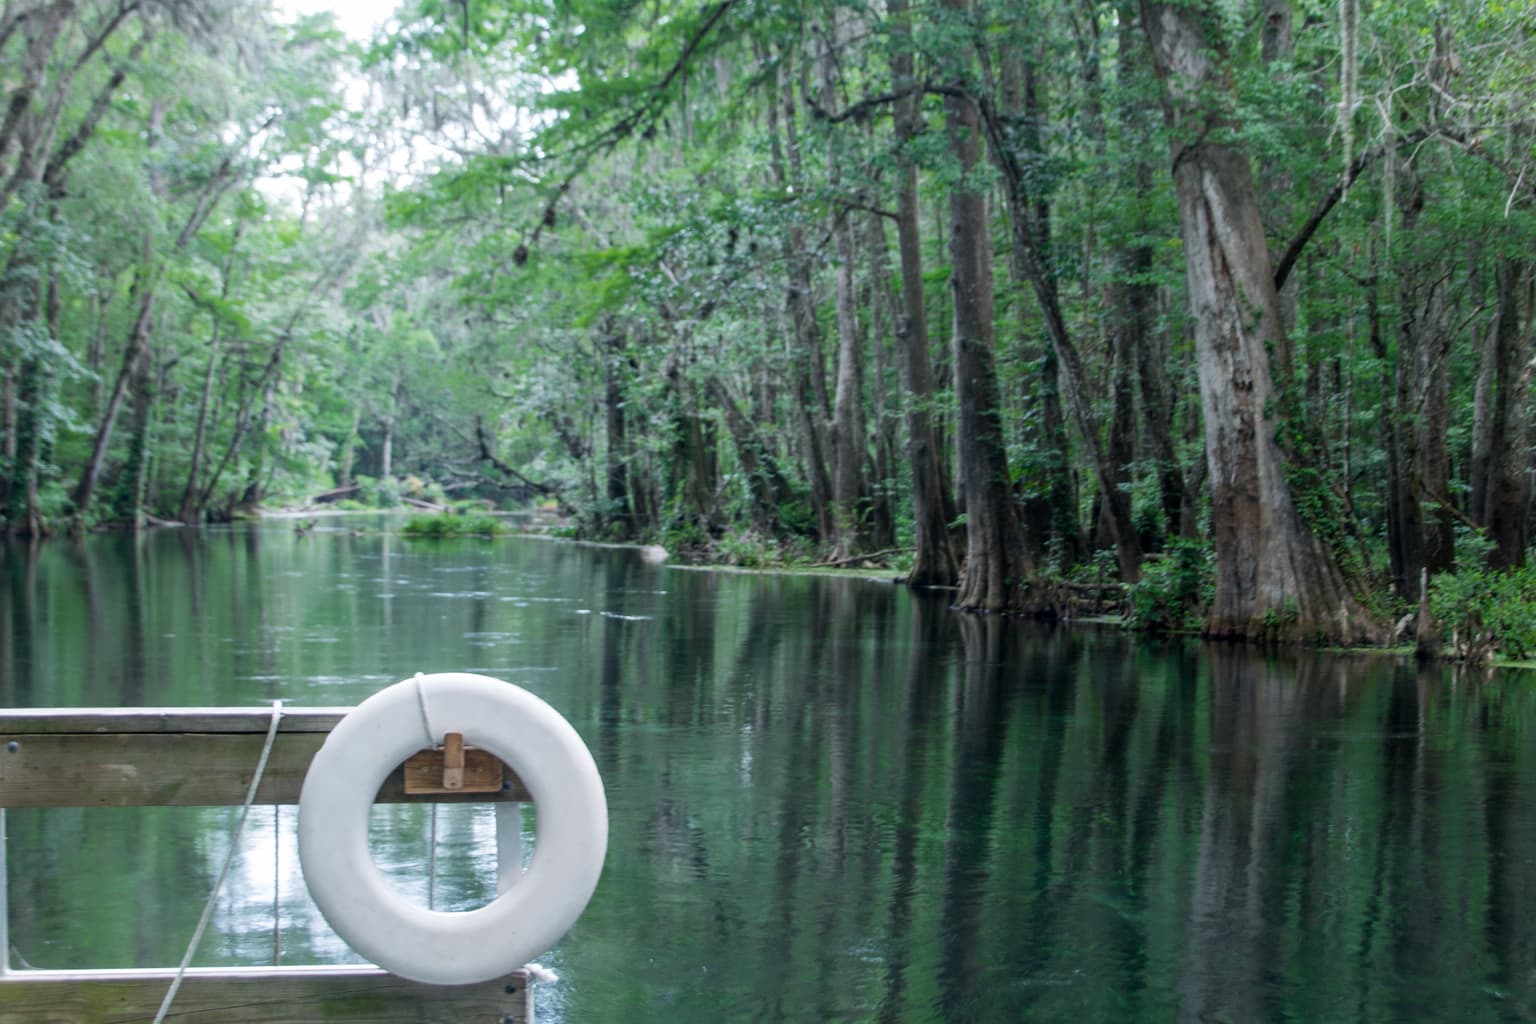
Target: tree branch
x=484 y=444
x=53 y=173
x=1325 y=205
x=644 y=116
x=862 y=110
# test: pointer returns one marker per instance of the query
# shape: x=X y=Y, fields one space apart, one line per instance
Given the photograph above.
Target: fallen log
x=336 y=494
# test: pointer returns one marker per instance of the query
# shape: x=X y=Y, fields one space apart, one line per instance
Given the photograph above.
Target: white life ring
x=431 y=946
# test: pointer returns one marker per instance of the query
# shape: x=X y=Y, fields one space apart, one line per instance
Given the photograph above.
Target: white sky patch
x=452 y=114
x=357 y=18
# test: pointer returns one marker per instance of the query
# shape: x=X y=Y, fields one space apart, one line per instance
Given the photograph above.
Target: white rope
x=432 y=860
x=229 y=859
x=426 y=722
x=426 y=725
x=277 y=884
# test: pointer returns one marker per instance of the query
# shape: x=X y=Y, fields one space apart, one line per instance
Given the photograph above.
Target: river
x=830 y=799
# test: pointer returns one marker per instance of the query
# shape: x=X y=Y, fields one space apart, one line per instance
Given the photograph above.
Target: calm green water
x=830 y=801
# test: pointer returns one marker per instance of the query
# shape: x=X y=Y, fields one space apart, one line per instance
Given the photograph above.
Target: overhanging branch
x=646 y=115
x=1330 y=199
x=487 y=455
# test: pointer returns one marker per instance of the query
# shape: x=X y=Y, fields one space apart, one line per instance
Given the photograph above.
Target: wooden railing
x=205 y=757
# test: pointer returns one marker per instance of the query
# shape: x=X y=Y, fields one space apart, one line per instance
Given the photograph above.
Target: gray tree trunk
x=850 y=491
x=995 y=571
x=1504 y=442
x=812 y=409
x=1030 y=216
x=1274 y=577
x=618 y=514
x=934 y=563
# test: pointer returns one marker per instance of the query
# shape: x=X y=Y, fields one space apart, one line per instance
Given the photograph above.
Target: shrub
x=1175 y=589
x=749 y=549
x=379 y=493
x=1484 y=612
x=450 y=525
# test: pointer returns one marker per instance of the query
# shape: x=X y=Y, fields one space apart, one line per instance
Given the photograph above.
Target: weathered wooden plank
x=427 y=771
x=314 y=995
x=27 y=721
x=153 y=768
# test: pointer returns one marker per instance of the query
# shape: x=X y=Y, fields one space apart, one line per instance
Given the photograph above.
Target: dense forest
x=1228 y=301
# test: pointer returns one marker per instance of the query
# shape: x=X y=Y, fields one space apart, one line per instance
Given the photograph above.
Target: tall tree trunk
x=1503 y=441
x=1433 y=419
x=262 y=386
x=130 y=488
x=1402 y=537
x=880 y=297
x=256 y=479
x=20 y=139
x=850 y=491
x=387 y=425
x=1066 y=528
x=769 y=491
x=933 y=561
x=33 y=422
x=1137 y=295
x=1129 y=335
x=618 y=515
x=190 y=510
x=1274 y=577
x=134 y=353
x=346 y=459
x=1423 y=424
x=812 y=409
x=1408 y=486
x=1030 y=215
x=1420 y=519
x=23 y=518
x=996 y=575
x=1277 y=45
x=145 y=285
x=694 y=463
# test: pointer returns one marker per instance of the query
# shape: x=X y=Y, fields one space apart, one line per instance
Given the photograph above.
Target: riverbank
x=1492 y=623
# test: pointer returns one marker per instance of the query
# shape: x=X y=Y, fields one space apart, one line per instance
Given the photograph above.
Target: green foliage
x=384 y=493
x=549 y=221
x=1174 y=589
x=748 y=549
x=1482 y=612
x=449 y=524
x=684 y=535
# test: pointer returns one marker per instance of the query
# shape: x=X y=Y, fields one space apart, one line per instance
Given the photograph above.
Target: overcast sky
x=356 y=18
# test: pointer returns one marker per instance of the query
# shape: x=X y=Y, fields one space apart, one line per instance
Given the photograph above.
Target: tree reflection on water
x=829 y=798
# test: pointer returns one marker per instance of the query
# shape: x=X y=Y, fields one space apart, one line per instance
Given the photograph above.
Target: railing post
x=5 y=907
x=509 y=846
